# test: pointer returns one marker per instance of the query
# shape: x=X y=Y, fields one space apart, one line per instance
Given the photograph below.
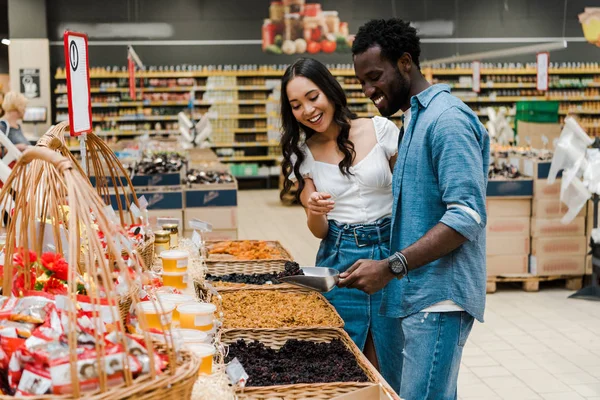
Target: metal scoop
x=315 y=278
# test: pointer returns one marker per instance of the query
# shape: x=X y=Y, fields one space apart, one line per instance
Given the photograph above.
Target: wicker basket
x=248 y=269
x=109 y=173
x=326 y=304
x=218 y=265
x=41 y=182
x=274 y=339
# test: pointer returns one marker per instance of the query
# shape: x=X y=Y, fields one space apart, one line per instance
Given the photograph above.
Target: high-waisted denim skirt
x=344 y=245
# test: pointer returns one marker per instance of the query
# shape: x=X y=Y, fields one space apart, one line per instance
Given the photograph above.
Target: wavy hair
x=294 y=134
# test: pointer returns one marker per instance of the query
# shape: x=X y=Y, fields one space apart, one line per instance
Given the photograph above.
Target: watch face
x=397 y=267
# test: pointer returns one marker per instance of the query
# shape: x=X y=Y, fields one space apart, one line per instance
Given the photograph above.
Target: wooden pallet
x=531 y=283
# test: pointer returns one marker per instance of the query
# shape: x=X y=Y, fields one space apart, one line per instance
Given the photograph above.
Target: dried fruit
x=297 y=361
x=253 y=279
x=276 y=309
x=291 y=269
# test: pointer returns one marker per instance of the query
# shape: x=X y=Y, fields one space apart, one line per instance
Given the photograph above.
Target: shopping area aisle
x=532 y=346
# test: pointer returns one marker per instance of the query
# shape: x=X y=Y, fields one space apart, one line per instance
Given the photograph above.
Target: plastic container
x=178 y=280
x=197 y=316
x=175 y=260
x=206 y=353
x=192 y=336
x=157 y=316
x=175 y=299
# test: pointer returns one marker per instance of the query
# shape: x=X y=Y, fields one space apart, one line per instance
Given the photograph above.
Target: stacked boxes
x=508 y=218
x=556 y=248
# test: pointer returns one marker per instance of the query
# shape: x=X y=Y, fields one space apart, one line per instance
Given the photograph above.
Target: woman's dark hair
x=291 y=139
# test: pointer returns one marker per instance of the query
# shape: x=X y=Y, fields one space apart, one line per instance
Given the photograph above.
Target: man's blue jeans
x=433 y=345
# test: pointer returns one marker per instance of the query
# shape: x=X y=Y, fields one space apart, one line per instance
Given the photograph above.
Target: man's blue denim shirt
x=440 y=176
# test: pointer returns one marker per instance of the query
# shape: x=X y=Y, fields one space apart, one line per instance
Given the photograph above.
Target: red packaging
x=34 y=381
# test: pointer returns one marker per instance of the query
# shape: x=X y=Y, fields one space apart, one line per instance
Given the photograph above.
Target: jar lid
x=170 y=226
x=162 y=234
x=330 y=13
x=292 y=16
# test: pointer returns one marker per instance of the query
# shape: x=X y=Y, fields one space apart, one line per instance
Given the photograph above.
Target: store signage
x=476 y=76
x=78 y=82
x=543 y=78
x=29 y=79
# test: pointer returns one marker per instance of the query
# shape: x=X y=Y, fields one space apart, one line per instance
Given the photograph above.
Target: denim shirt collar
x=425 y=97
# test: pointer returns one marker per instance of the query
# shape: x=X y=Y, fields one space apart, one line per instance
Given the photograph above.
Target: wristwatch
x=397 y=266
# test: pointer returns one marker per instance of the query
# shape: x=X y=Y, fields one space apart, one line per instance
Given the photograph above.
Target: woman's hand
x=319 y=203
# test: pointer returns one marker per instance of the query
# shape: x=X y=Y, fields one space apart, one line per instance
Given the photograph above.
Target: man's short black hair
x=394 y=36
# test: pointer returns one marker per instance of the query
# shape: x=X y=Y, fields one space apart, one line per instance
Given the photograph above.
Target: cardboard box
x=507 y=264
x=508 y=208
x=143 y=181
x=218 y=217
x=552 y=208
x=537 y=135
x=509 y=188
x=507 y=245
x=542 y=227
x=153 y=216
x=517 y=226
x=590 y=218
x=546 y=246
x=211 y=196
x=368 y=393
x=542 y=190
x=557 y=265
x=223 y=234
x=588 y=265
x=157 y=200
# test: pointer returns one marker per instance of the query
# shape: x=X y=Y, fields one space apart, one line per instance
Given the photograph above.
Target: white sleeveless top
x=365 y=196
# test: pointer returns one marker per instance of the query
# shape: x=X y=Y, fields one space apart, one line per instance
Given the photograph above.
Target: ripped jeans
x=343 y=246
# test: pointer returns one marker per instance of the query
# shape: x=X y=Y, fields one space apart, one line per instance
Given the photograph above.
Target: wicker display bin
x=42 y=181
x=275 y=338
x=338 y=324
x=225 y=264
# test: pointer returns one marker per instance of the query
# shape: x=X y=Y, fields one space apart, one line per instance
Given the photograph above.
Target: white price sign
x=476 y=76
x=78 y=82
x=543 y=62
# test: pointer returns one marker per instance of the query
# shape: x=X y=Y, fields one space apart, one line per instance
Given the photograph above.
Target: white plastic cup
x=157 y=316
x=175 y=260
x=192 y=336
x=178 y=280
x=205 y=352
x=197 y=316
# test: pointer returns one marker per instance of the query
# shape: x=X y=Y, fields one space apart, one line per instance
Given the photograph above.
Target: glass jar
x=312 y=10
x=162 y=241
x=312 y=29
x=276 y=12
x=332 y=21
x=293 y=6
x=344 y=29
x=268 y=33
x=293 y=27
x=173 y=230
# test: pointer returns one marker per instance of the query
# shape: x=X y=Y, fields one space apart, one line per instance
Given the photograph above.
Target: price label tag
x=143 y=202
x=197 y=239
x=202 y=226
x=236 y=373
x=543 y=62
x=476 y=76
x=136 y=212
x=78 y=82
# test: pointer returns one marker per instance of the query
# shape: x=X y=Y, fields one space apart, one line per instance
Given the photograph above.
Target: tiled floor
x=531 y=346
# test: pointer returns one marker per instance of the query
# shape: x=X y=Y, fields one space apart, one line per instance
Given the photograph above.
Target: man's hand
x=370 y=276
x=319 y=203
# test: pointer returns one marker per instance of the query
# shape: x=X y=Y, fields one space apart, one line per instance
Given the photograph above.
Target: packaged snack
x=16 y=329
x=60 y=369
x=34 y=381
x=32 y=309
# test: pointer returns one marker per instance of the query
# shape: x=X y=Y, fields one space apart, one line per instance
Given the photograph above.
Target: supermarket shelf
x=574 y=98
x=373 y=114
x=245 y=177
x=592 y=112
x=530 y=71
x=335 y=72
x=239 y=116
x=250 y=158
x=250 y=130
x=171 y=103
x=244 y=144
x=137 y=133
x=499 y=99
